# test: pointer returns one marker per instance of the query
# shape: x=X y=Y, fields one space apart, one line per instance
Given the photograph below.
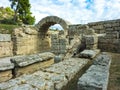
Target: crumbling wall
x=6 y=45
x=108 y=42
x=111 y=41
x=24 y=41
x=27 y=41
x=99 y=27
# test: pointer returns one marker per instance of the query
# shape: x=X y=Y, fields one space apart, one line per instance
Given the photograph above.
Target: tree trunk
x=15 y=16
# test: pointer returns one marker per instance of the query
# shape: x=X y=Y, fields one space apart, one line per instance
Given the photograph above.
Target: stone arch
x=44 y=24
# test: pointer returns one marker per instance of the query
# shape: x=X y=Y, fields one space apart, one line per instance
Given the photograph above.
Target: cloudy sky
x=74 y=11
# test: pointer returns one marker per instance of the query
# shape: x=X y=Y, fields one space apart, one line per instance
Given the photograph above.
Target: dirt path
x=114 y=80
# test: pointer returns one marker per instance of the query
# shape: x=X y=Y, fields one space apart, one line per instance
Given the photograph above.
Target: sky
x=74 y=11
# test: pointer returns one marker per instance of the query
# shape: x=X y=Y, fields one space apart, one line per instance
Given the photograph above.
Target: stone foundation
x=55 y=77
x=33 y=67
x=20 y=65
x=31 y=63
x=5 y=75
x=6 y=68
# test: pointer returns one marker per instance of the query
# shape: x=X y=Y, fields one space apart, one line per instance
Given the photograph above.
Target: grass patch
x=114 y=79
x=7 y=29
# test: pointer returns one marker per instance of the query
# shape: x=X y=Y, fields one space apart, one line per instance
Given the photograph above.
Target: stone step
x=18 y=65
x=5 y=69
x=97 y=76
x=55 y=77
x=89 y=53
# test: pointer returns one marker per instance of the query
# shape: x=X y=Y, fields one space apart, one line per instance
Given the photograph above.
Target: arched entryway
x=43 y=27
x=48 y=21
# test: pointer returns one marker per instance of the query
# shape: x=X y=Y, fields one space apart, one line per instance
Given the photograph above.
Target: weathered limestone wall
x=6 y=45
x=27 y=41
x=109 y=42
x=76 y=30
x=5 y=69
x=99 y=27
x=58 y=44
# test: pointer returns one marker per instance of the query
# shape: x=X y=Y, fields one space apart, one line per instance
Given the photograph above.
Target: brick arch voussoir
x=50 y=20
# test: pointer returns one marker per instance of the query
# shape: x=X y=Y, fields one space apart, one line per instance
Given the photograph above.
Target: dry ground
x=114 y=80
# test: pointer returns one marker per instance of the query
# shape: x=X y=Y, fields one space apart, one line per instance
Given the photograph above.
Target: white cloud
x=75 y=11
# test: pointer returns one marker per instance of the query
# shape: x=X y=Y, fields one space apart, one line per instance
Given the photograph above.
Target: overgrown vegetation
x=7 y=29
x=18 y=14
x=6 y=13
x=22 y=11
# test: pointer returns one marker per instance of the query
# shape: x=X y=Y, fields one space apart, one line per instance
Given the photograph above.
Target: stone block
x=62 y=47
x=6 y=49
x=110 y=41
x=55 y=77
x=22 y=61
x=5 y=69
x=5 y=37
x=117 y=28
x=31 y=63
x=62 y=51
x=23 y=87
x=96 y=77
x=116 y=24
x=112 y=35
x=107 y=25
x=5 y=75
x=6 y=65
x=104 y=60
x=109 y=29
x=30 y=31
x=89 y=53
x=91 y=39
x=98 y=27
x=92 y=46
x=32 y=67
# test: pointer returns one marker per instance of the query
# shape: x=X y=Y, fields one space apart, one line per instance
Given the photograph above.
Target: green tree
x=22 y=11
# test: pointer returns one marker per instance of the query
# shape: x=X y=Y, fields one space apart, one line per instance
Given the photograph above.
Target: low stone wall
x=18 y=65
x=5 y=69
x=96 y=77
x=110 y=42
x=6 y=45
x=55 y=77
x=102 y=26
x=99 y=27
x=31 y=63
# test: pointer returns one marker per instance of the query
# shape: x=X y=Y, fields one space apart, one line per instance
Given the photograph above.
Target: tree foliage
x=22 y=11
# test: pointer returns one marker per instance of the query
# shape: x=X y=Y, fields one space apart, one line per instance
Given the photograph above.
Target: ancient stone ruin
x=31 y=58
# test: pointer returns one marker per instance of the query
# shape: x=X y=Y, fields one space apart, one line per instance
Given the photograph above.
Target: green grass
x=114 y=79
x=7 y=29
